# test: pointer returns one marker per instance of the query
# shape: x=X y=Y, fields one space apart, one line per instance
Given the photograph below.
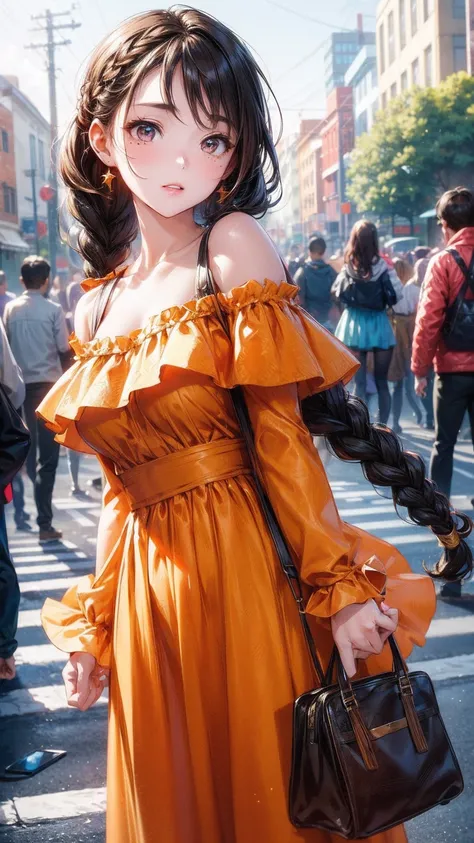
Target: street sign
x=46 y=193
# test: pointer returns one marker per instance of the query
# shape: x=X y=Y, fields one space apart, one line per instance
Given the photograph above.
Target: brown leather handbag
x=367 y=755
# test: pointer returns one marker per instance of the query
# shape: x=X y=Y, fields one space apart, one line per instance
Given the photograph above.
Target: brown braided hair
x=344 y=420
x=218 y=71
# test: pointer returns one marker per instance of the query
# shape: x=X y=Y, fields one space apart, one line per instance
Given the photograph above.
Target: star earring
x=223 y=194
x=107 y=179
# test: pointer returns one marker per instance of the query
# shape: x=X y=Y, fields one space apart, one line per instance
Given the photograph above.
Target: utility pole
x=32 y=175
x=50 y=27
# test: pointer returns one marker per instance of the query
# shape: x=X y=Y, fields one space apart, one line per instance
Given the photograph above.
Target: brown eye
x=216 y=145
x=143 y=131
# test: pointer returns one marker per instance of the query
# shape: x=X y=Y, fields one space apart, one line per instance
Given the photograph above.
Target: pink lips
x=172 y=189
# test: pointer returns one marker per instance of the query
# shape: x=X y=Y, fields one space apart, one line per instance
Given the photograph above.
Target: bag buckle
x=405 y=685
x=349 y=700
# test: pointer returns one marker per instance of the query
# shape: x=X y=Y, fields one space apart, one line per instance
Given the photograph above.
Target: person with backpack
x=315 y=279
x=367 y=287
x=444 y=331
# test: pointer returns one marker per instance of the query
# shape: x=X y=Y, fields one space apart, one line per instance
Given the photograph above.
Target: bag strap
x=205 y=285
x=468 y=273
x=101 y=303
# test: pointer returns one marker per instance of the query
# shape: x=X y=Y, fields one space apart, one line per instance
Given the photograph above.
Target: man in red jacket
x=454 y=383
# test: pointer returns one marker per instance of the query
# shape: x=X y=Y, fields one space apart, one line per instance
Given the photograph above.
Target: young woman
x=403 y=321
x=361 y=327
x=189 y=608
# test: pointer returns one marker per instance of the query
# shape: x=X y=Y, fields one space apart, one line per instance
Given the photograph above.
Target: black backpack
x=458 y=328
x=367 y=294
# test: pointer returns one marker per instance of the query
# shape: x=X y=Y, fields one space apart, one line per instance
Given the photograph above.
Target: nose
x=181 y=162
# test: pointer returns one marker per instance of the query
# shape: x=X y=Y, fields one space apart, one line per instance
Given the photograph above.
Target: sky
x=286 y=36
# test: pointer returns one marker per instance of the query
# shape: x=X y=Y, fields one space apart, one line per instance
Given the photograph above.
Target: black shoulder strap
x=205 y=285
x=467 y=271
x=101 y=302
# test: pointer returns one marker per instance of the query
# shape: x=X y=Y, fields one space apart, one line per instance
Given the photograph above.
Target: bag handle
x=205 y=285
x=101 y=303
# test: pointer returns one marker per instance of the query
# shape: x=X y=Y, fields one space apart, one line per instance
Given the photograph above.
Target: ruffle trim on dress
x=274 y=342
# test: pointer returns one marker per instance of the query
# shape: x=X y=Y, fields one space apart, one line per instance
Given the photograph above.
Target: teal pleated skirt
x=365 y=329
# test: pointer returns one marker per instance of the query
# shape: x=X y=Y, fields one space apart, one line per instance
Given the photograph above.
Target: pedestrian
x=190 y=609
x=315 y=279
x=293 y=260
x=14 y=388
x=452 y=351
x=37 y=332
x=367 y=287
x=427 y=399
x=403 y=323
x=5 y=296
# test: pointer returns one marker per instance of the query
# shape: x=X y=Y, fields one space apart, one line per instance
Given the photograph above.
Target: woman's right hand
x=361 y=630
x=84 y=680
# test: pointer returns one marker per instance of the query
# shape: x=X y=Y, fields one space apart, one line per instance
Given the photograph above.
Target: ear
x=101 y=143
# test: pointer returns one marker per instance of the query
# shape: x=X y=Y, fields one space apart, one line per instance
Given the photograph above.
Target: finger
x=83 y=683
x=362 y=654
x=92 y=697
x=388 y=621
x=70 y=680
x=348 y=661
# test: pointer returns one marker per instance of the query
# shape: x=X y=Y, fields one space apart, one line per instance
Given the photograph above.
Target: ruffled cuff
x=366 y=581
x=73 y=625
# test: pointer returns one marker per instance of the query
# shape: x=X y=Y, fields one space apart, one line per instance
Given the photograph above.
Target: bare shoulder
x=83 y=314
x=240 y=250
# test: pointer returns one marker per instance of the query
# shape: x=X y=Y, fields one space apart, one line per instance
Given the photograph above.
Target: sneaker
x=80 y=494
x=96 y=483
x=50 y=535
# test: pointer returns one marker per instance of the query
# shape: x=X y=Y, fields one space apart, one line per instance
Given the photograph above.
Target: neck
x=162 y=236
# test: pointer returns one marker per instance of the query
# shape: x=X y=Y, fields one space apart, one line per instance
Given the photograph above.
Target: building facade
x=12 y=246
x=309 y=152
x=419 y=42
x=341 y=50
x=32 y=139
x=470 y=36
x=337 y=136
x=283 y=222
x=362 y=77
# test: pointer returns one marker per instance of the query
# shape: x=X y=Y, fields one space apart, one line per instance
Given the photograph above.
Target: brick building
x=309 y=149
x=12 y=246
x=337 y=136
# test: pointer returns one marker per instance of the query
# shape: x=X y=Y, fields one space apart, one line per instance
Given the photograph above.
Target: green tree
x=419 y=146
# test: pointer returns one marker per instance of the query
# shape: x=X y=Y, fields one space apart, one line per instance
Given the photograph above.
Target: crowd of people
x=392 y=313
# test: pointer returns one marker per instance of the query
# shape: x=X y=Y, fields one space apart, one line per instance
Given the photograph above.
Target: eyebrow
x=165 y=107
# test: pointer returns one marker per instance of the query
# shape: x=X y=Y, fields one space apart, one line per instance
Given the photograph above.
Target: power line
x=309 y=17
x=50 y=28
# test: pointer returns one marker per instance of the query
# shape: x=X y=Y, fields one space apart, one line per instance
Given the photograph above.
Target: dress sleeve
x=82 y=620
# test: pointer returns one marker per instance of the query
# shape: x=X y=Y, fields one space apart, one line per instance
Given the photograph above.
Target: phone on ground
x=34 y=762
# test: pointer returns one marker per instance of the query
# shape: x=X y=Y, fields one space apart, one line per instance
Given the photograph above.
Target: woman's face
x=169 y=163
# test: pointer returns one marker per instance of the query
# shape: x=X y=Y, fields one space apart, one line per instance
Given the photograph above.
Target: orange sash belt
x=181 y=471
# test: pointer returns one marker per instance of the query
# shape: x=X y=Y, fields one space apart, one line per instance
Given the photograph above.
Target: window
x=5 y=141
x=427 y=9
x=415 y=72
x=33 y=162
x=391 y=38
x=42 y=170
x=9 y=200
x=459 y=9
x=382 y=48
x=384 y=100
x=404 y=81
x=402 y=23
x=429 y=66
x=393 y=91
x=459 y=53
x=414 y=16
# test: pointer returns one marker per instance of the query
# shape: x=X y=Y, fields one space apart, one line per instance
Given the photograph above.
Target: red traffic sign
x=42 y=229
x=46 y=193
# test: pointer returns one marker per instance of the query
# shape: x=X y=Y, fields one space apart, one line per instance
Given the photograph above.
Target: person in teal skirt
x=367 y=287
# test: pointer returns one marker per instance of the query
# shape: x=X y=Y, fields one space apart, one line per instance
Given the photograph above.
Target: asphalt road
x=67 y=801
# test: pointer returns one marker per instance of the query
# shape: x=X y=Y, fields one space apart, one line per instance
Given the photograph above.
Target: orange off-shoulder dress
x=191 y=609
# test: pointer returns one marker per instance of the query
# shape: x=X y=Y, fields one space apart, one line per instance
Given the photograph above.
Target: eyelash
x=135 y=123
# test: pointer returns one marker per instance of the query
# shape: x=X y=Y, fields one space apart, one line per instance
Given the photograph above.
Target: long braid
x=344 y=420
